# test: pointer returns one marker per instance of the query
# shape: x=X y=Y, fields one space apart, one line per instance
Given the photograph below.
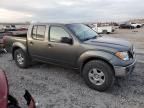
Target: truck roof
x=52 y=23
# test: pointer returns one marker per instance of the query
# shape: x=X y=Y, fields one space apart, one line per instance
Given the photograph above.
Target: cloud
x=7 y=15
x=70 y=10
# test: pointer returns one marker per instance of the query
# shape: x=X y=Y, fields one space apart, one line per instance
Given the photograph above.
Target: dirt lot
x=56 y=87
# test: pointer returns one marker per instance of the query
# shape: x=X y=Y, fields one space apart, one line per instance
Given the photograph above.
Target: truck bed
x=20 y=36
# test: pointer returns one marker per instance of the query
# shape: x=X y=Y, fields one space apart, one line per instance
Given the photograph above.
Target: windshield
x=13 y=26
x=82 y=31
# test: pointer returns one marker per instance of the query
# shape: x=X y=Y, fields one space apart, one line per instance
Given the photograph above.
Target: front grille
x=131 y=53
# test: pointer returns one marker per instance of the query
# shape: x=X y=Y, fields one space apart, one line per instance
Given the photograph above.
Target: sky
x=70 y=10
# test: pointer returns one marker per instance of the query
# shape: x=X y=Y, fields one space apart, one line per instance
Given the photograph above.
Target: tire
x=105 y=32
x=101 y=67
x=131 y=27
x=23 y=61
x=138 y=26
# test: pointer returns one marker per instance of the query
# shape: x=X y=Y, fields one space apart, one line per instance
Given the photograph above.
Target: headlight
x=122 y=55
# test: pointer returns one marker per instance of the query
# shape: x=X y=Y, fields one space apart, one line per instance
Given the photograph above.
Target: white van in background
x=102 y=28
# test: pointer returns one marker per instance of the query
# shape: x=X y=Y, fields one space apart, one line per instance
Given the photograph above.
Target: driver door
x=59 y=52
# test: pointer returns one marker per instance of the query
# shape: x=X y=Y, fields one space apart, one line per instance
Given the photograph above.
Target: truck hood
x=109 y=42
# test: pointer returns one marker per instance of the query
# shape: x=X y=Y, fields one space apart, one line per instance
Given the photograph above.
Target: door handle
x=31 y=43
x=50 y=45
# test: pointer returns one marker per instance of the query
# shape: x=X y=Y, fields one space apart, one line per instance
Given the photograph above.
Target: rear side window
x=38 y=32
x=41 y=32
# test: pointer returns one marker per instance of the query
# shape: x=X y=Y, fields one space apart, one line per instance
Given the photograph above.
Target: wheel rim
x=20 y=59
x=96 y=76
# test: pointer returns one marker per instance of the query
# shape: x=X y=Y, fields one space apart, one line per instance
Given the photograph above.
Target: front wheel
x=21 y=58
x=98 y=75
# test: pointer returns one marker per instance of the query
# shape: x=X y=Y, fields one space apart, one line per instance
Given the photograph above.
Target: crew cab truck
x=99 y=59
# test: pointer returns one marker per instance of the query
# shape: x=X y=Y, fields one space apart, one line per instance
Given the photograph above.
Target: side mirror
x=66 y=40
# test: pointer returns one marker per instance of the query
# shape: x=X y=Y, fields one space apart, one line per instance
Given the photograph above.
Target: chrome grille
x=131 y=53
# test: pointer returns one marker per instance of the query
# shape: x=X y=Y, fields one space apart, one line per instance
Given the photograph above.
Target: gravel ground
x=56 y=87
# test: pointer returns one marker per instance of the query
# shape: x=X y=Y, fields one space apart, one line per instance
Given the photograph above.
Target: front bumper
x=124 y=71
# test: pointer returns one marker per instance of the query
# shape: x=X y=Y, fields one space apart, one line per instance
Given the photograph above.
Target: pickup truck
x=99 y=59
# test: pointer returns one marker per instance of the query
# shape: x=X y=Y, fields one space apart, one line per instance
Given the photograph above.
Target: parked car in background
x=130 y=25
x=126 y=26
x=99 y=59
x=9 y=28
x=8 y=101
x=136 y=25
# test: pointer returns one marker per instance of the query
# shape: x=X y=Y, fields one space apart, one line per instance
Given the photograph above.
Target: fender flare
x=91 y=55
x=18 y=45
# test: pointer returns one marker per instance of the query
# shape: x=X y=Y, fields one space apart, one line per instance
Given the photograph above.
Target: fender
x=88 y=55
x=17 y=45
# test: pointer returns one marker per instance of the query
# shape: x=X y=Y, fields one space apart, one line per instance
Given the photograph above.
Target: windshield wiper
x=94 y=37
x=86 y=39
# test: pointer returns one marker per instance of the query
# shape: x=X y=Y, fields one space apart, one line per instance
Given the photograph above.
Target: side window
x=38 y=32
x=34 y=32
x=41 y=32
x=56 y=34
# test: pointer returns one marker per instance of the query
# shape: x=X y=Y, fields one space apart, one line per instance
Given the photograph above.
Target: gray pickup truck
x=99 y=59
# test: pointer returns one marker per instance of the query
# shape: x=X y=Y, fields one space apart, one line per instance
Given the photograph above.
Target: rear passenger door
x=36 y=42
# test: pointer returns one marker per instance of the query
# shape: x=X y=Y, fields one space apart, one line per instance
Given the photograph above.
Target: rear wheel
x=132 y=27
x=21 y=58
x=138 y=26
x=98 y=75
x=105 y=31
